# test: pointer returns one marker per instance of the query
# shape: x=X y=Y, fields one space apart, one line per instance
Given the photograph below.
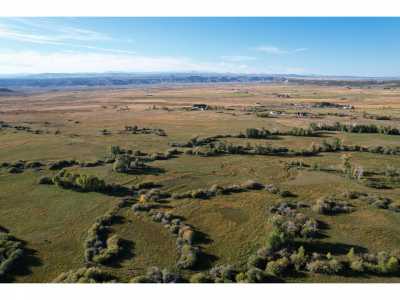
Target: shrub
x=14 y=170
x=309 y=228
x=278 y=267
x=254 y=133
x=379 y=202
x=33 y=164
x=241 y=277
x=391 y=266
x=326 y=266
x=200 y=278
x=252 y=185
x=138 y=207
x=111 y=251
x=61 y=164
x=256 y=262
x=276 y=240
x=188 y=256
x=84 y=275
x=141 y=279
x=122 y=164
x=45 y=180
x=11 y=251
x=155 y=195
x=223 y=273
x=299 y=259
x=293 y=224
x=97 y=247
x=355 y=262
x=286 y=194
x=116 y=150
x=83 y=183
x=254 y=275
x=145 y=185
x=154 y=274
x=329 y=206
x=171 y=277
x=353 y=194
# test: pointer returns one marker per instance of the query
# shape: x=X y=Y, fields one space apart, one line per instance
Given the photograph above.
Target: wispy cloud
x=46 y=33
x=270 y=50
x=300 y=50
x=277 y=50
x=237 y=58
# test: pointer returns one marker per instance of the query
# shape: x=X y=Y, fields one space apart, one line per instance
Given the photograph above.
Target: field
x=52 y=221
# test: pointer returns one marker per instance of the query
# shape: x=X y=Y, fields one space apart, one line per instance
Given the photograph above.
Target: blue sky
x=325 y=46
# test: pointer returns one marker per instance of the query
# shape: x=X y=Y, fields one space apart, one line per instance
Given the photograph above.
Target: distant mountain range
x=92 y=80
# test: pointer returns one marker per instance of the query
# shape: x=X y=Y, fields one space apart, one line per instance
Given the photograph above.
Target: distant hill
x=96 y=80
x=59 y=81
x=6 y=90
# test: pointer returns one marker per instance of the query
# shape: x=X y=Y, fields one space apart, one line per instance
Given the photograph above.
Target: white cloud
x=300 y=49
x=276 y=50
x=73 y=62
x=237 y=58
x=45 y=33
x=270 y=50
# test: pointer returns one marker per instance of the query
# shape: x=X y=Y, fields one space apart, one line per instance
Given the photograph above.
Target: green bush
x=84 y=275
x=11 y=251
x=256 y=262
x=328 y=266
x=277 y=239
x=329 y=206
x=141 y=279
x=278 y=267
x=121 y=164
x=45 y=180
x=254 y=133
x=299 y=259
x=223 y=273
x=254 y=275
x=111 y=250
x=188 y=256
x=200 y=278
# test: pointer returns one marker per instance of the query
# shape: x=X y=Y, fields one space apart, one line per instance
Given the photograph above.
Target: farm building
x=200 y=107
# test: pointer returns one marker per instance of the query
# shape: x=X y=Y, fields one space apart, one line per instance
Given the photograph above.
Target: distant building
x=200 y=107
x=348 y=106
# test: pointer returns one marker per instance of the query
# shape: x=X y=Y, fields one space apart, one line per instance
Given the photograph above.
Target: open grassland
x=52 y=223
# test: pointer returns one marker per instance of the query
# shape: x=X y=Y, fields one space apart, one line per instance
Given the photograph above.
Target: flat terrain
x=82 y=125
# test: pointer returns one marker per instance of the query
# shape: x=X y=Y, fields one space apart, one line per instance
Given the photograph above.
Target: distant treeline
x=356 y=128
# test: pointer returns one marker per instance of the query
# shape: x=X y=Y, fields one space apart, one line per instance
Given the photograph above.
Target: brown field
x=53 y=222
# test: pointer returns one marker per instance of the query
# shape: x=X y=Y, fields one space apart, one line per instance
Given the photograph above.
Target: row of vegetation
x=356 y=128
x=100 y=246
x=186 y=236
x=85 y=183
x=215 y=148
x=11 y=251
x=215 y=190
x=85 y=275
x=25 y=128
x=137 y=130
x=21 y=165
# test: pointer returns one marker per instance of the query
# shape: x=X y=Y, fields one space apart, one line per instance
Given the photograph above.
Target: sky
x=320 y=46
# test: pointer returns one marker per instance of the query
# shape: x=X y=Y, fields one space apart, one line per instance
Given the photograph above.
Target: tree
x=121 y=164
x=347 y=167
